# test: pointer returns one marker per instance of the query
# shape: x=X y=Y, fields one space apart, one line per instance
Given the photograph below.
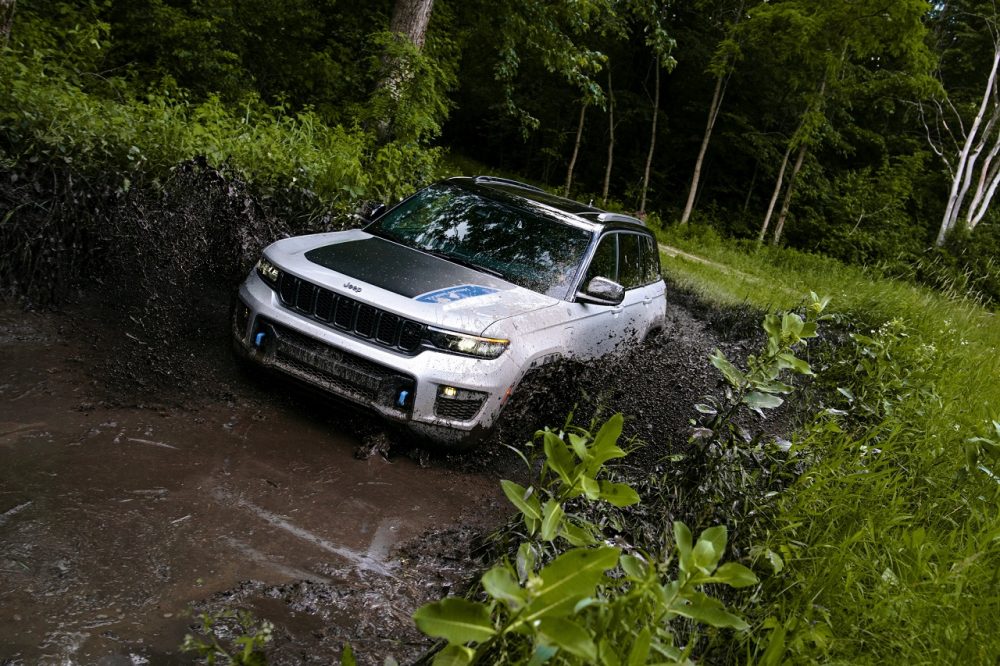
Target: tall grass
x=890 y=540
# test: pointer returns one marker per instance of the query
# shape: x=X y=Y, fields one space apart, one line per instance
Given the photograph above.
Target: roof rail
x=506 y=181
x=618 y=217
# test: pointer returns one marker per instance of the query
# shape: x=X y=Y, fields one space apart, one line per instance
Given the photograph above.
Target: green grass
x=891 y=552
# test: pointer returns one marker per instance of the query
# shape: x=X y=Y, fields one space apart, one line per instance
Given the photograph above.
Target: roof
x=570 y=206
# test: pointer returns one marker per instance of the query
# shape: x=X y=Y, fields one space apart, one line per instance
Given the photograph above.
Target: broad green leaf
x=808 y=330
x=758 y=400
x=640 y=648
x=791 y=325
x=733 y=574
x=705 y=556
x=542 y=654
x=682 y=537
x=569 y=636
x=347 y=656
x=705 y=409
x=718 y=535
x=526 y=501
x=618 y=494
x=712 y=614
x=591 y=488
x=774 y=387
x=634 y=567
x=772 y=326
x=499 y=583
x=455 y=620
x=570 y=577
x=552 y=515
x=559 y=458
x=790 y=360
x=728 y=370
x=578 y=535
x=579 y=445
x=609 y=433
x=454 y=655
x=525 y=561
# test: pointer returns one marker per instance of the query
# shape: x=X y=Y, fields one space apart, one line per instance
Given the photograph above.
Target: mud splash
x=146 y=478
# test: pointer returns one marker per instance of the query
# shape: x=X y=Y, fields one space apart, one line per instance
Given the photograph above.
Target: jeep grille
x=348 y=315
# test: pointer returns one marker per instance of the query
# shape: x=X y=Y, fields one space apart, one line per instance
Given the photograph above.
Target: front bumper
x=405 y=388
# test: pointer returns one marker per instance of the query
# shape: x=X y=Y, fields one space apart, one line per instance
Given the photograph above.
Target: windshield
x=522 y=244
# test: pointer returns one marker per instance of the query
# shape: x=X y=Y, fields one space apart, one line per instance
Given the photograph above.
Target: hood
x=407 y=282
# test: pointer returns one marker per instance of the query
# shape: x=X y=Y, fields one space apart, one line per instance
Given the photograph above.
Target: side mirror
x=601 y=291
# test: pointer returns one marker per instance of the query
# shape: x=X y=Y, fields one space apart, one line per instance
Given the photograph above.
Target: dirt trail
x=139 y=485
x=113 y=521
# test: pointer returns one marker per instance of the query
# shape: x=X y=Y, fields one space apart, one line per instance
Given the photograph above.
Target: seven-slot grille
x=348 y=315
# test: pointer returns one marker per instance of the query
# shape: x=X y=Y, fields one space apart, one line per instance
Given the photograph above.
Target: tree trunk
x=6 y=20
x=968 y=155
x=713 y=113
x=611 y=141
x=774 y=195
x=576 y=150
x=786 y=204
x=410 y=19
x=652 y=140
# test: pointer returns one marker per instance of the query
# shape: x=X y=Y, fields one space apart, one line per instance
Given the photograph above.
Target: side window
x=605 y=261
x=631 y=272
x=651 y=260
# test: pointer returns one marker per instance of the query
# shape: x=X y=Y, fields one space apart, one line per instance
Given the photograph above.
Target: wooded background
x=868 y=130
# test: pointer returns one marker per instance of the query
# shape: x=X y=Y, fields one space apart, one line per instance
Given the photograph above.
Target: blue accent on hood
x=455 y=293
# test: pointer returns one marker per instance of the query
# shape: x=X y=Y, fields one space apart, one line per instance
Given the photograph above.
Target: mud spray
x=153 y=270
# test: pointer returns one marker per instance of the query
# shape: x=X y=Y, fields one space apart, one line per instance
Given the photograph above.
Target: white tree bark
x=774 y=195
x=980 y=134
x=652 y=140
x=713 y=114
x=611 y=141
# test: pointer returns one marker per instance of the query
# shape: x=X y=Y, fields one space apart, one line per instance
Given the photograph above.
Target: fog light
x=449 y=391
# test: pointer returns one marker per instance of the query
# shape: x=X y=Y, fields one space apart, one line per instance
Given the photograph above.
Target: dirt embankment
x=144 y=476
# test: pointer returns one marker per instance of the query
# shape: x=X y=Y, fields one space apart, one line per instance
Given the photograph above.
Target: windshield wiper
x=463 y=262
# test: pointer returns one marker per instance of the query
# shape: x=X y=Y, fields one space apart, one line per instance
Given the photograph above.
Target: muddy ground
x=139 y=487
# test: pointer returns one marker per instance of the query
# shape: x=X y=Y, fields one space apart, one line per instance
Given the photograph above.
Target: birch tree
x=970 y=148
x=721 y=67
x=827 y=48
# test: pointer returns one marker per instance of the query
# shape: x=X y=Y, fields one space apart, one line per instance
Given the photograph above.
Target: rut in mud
x=145 y=475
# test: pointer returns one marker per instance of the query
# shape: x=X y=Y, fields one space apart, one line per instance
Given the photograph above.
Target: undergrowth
x=888 y=544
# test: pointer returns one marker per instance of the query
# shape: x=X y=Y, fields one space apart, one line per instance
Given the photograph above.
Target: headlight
x=267 y=271
x=468 y=345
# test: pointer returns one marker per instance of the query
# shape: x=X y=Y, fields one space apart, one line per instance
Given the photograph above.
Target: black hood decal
x=397 y=268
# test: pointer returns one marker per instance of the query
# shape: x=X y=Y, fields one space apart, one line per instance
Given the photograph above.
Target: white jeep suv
x=433 y=313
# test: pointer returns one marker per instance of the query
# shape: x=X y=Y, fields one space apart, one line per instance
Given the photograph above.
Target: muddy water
x=115 y=521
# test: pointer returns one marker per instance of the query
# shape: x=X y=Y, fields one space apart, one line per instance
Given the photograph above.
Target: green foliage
x=246 y=648
x=46 y=115
x=571 y=598
x=759 y=387
x=887 y=542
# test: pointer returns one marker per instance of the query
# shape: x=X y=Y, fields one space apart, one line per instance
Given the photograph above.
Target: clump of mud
x=314 y=619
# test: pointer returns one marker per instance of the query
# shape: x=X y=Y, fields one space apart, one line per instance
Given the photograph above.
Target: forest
x=822 y=176
x=866 y=131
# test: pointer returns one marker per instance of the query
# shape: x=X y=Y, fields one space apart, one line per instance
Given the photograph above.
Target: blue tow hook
x=259 y=339
x=402 y=398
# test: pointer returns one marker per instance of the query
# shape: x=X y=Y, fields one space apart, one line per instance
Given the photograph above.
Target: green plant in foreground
x=759 y=387
x=247 y=648
x=592 y=602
